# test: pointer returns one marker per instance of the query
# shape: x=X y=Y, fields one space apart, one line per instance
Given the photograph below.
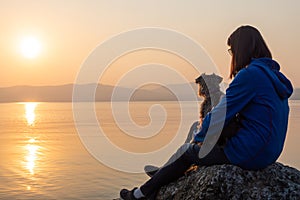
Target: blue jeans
x=177 y=165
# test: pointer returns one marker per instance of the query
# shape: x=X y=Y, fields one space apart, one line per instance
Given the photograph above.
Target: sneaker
x=128 y=195
x=150 y=170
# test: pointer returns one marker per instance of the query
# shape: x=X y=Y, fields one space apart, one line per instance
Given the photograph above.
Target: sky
x=64 y=33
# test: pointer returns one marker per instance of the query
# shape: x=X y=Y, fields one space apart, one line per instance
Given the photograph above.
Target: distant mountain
x=36 y=93
x=296 y=94
x=63 y=93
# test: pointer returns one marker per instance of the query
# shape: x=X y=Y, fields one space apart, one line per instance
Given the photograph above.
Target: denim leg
x=187 y=150
x=185 y=156
x=177 y=165
x=215 y=157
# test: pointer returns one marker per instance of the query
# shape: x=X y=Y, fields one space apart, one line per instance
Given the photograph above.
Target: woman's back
x=262 y=92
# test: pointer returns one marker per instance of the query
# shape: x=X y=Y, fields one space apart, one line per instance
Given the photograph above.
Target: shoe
x=128 y=195
x=150 y=170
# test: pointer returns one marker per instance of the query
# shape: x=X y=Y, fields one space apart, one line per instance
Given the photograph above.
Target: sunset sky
x=45 y=42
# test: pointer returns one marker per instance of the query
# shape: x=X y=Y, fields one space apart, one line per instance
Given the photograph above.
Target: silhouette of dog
x=209 y=89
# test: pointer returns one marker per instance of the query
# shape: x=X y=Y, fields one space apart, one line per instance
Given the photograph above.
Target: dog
x=209 y=90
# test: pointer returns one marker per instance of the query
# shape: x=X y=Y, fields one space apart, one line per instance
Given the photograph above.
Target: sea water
x=43 y=157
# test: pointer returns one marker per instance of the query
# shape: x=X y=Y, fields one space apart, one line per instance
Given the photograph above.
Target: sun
x=30 y=47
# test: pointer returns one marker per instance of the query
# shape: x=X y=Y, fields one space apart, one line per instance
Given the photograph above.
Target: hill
x=63 y=93
x=296 y=94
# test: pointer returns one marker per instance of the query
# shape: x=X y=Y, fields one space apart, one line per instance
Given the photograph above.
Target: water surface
x=42 y=156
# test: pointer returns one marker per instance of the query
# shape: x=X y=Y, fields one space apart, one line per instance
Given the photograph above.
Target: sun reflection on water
x=31 y=155
x=30 y=112
x=31 y=147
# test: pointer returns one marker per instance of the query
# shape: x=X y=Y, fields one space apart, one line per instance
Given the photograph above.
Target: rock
x=231 y=182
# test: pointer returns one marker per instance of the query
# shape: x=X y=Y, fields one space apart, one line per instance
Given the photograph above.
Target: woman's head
x=246 y=43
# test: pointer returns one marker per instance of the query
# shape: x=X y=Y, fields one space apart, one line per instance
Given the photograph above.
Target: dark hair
x=246 y=43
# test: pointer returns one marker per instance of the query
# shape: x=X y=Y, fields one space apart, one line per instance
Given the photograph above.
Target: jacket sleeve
x=238 y=95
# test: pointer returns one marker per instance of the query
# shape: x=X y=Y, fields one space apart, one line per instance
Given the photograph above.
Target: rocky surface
x=231 y=182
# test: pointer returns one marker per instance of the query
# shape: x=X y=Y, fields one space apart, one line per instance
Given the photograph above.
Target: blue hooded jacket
x=259 y=93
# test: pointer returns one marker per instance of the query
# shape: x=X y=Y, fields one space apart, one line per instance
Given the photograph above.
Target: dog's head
x=208 y=83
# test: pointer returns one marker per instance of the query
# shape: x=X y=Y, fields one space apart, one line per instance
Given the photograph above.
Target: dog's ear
x=200 y=79
x=218 y=78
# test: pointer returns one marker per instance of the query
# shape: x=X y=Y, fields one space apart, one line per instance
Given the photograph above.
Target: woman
x=259 y=92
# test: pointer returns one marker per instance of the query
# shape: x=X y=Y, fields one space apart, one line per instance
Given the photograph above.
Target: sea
x=46 y=154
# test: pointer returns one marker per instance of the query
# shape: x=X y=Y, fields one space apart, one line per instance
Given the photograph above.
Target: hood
x=281 y=84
